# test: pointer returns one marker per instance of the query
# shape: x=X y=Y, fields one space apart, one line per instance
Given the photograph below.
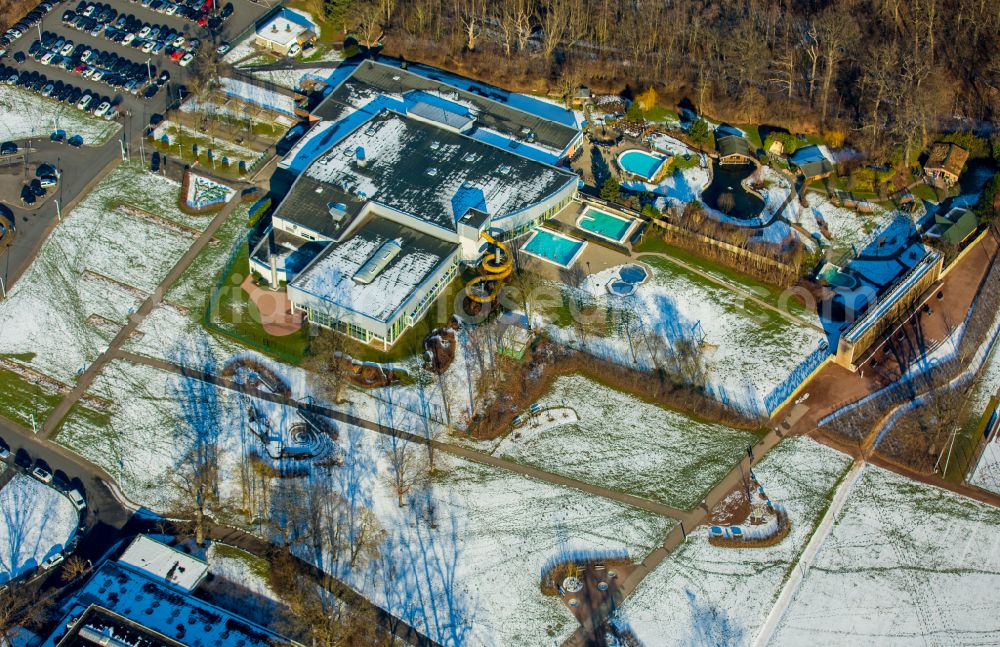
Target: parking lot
x=244 y=13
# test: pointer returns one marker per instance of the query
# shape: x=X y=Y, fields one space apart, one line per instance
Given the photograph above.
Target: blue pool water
x=556 y=249
x=633 y=273
x=640 y=163
x=604 y=224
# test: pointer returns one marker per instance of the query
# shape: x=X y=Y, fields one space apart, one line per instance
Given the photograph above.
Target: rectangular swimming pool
x=606 y=225
x=553 y=247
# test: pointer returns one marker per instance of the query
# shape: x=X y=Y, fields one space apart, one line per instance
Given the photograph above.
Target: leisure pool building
x=402 y=170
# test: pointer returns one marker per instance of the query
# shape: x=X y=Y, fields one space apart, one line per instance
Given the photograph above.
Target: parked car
x=76 y=141
x=4 y=453
x=42 y=474
x=76 y=499
x=58 y=136
x=52 y=561
x=8 y=148
x=102 y=109
x=186 y=59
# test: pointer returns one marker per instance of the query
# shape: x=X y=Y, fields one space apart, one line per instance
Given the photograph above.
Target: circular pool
x=628 y=280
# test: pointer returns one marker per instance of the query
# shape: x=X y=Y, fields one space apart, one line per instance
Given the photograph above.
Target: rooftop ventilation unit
x=378 y=262
x=359 y=156
x=432 y=171
x=435 y=145
x=338 y=211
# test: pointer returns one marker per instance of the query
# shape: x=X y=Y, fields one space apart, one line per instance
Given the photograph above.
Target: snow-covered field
x=95 y=268
x=846 y=227
x=23 y=114
x=623 y=443
x=36 y=522
x=906 y=563
x=748 y=351
x=708 y=595
x=495 y=529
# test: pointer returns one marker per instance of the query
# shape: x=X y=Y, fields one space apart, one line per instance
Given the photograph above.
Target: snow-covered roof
x=258 y=95
x=285 y=27
x=163 y=562
x=184 y=618
x=332 y=276
x=517 y=117
x=427 y=172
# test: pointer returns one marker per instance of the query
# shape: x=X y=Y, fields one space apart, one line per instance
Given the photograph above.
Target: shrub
x=611 y=190
x=978 y=147
x=647 y=100
x=699 y=132
x=834 y=138
x=257 y=211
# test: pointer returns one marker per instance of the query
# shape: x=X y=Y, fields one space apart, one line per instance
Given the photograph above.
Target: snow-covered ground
x=495 y=530
x=747 y=351
x=292 y=78
x=846 y=227
x=626 y=444
x=709 y=595
x=36 y=522
x=23 y=114
x=679 y=187
x=906 y=564
x=220 y=147
x=987 y=472
x=95 y=268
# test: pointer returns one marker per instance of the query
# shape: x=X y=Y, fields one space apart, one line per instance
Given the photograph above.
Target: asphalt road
x=81 y=168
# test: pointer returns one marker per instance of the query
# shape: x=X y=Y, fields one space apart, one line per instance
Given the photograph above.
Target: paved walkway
x=87 y=378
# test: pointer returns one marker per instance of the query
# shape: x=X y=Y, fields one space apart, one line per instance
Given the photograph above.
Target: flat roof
x=133 y=594
x=166 y=563
x=430 y=173
x=330 y=277
x=285 y=27
x=493 y=108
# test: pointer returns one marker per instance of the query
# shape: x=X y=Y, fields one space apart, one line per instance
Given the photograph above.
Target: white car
x=67 y=49
x=186 y=60
x=4 y=453
x=177 y=42
x=145 y=31
x=223 y=49
x=129 y=37
x=47 y=58
x=97 y=75
x=102 y=109
x=294 y=49
x=52 y=561
x=85 y=102
x=148 y=46
x=171 y=10
x=76 y=499
x=42 y=474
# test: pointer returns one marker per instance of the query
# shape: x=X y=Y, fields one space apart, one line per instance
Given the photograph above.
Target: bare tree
x=22 y=608
x=328 y=363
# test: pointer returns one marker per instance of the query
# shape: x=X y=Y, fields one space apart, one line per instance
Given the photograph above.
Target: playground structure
x=494 y=267
x=768 y=523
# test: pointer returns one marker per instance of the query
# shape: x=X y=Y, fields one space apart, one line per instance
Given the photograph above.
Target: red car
x=79 y=68
x=176 y=54
x=203 y=21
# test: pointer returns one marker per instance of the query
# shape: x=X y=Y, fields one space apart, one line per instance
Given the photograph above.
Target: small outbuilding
x=813 y=162
x=286 y=29
x=955 y=227
x=944 y=165
x=733 y=150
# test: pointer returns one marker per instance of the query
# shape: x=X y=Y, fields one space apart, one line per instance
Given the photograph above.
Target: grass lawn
x=21 y=399
x=192 y=289
x=660 y=114
x=771 y=294
x=234 y=315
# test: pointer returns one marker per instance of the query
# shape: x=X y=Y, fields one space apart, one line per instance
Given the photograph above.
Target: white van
x=76 y=499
